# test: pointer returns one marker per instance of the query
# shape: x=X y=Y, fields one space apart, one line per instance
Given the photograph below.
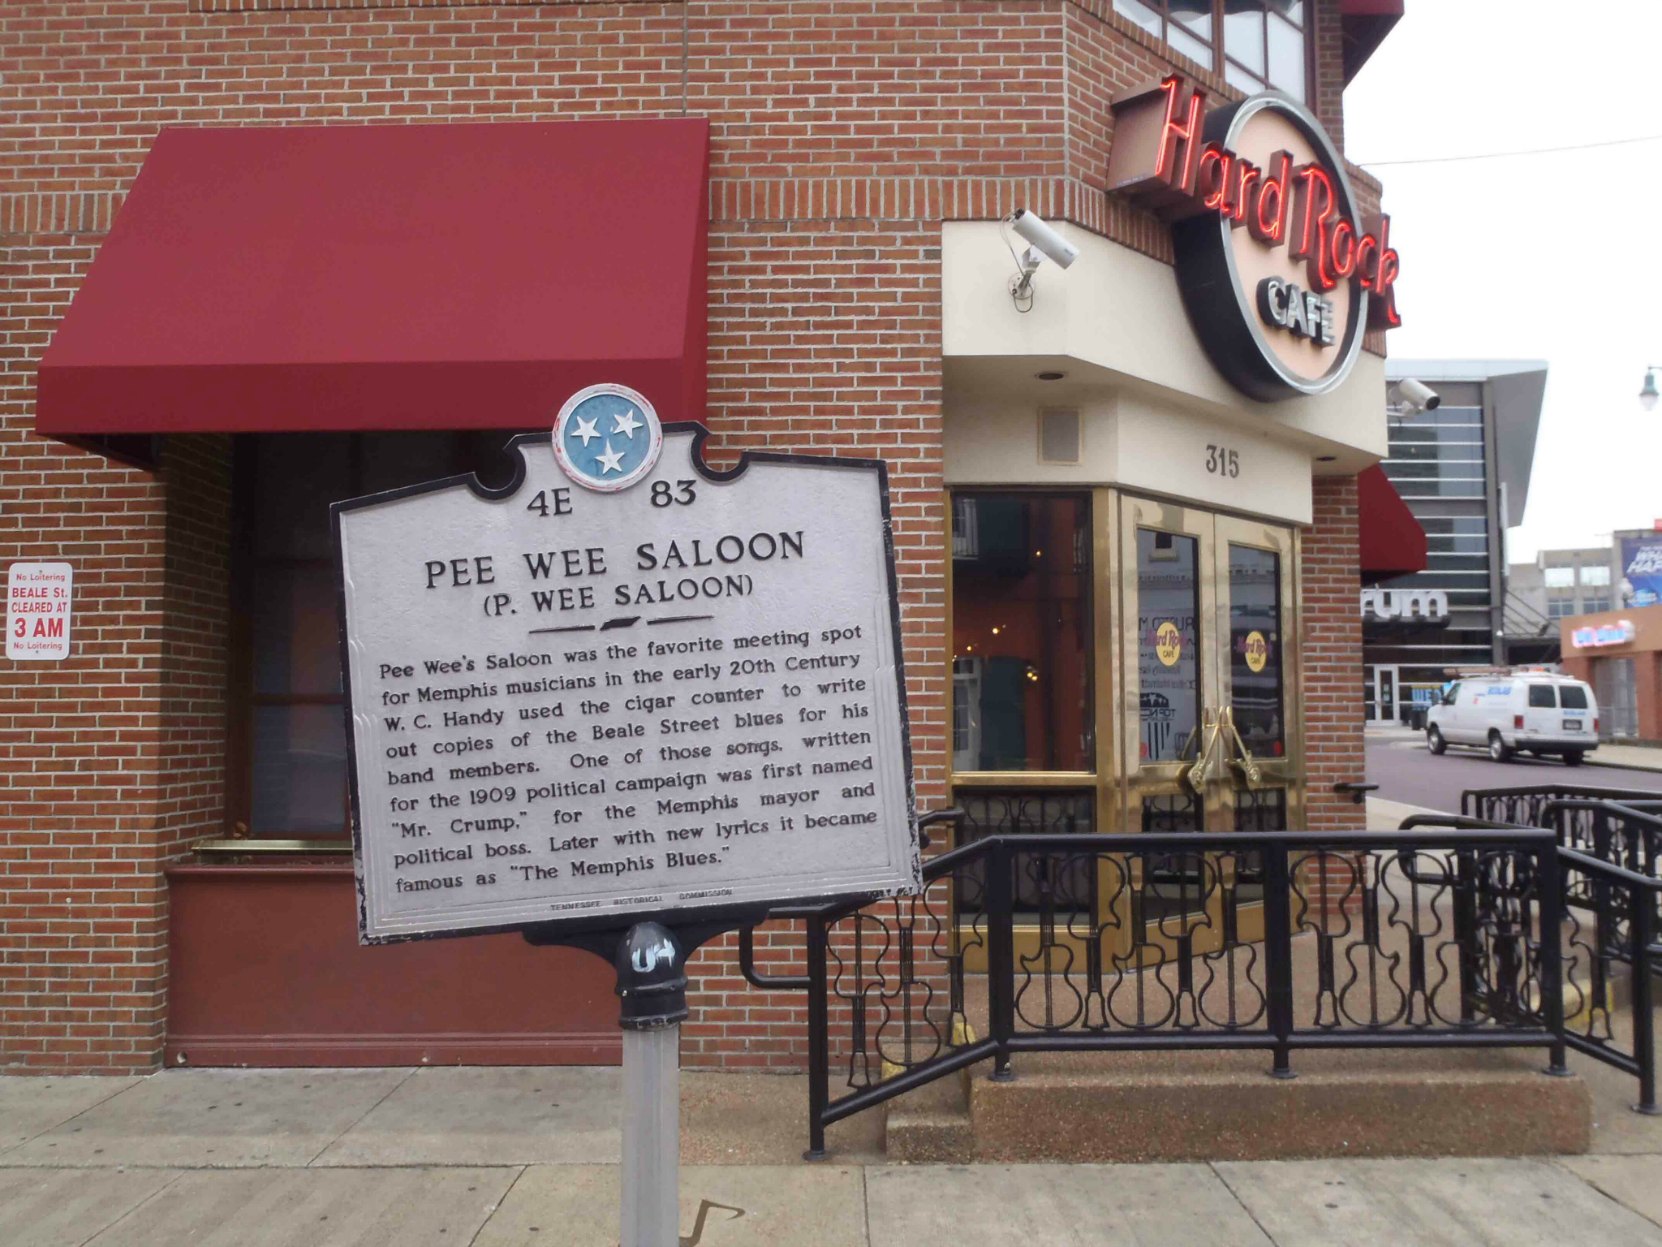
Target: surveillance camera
x=1417 y=396
x=1046 y=241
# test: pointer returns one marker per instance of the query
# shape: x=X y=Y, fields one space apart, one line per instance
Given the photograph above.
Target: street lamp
x=1648 y=393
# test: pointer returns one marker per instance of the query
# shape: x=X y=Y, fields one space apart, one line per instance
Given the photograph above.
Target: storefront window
x=1021 y=633
x=288 y=732
x=1264 y=41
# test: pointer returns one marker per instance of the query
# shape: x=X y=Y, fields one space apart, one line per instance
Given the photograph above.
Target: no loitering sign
x=625 y=686
x=39 y=597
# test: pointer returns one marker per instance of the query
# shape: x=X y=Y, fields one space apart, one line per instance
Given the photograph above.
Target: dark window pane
x=1021 y=633
x=1442 y=489
x=299 y=771
x=1432 y=452
x=1255 y=649
x=1575 y=697
x=297 y=476
x=1541 y=696
x=1168 y=642
x=391 y=460
x=296 y=631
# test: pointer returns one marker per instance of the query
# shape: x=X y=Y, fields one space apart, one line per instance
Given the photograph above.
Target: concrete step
x=1170 y=1107
x=932 y=1125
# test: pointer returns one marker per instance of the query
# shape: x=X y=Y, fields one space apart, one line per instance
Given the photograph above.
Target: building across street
x=1463 y=467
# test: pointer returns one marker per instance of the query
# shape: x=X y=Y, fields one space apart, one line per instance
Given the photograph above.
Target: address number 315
x=1221 y=461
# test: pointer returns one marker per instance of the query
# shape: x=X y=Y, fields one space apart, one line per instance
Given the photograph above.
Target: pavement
x=493 y=1157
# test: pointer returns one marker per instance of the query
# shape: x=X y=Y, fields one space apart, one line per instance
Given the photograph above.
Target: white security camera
x=1042 y=238
x=1417 y=396
x=1043 y=243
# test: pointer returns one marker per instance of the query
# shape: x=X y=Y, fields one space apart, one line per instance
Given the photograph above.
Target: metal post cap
x=651 y=977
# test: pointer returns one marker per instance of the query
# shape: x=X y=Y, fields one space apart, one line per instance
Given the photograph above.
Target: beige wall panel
x=1115 y=319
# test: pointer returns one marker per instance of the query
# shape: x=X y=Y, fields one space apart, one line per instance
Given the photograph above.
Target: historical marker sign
x=573 y=701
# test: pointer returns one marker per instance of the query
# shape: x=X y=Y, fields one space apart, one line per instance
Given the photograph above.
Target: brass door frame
x=1120 y=780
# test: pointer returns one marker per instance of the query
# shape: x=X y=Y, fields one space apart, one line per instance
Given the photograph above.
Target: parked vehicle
x=1535 y=713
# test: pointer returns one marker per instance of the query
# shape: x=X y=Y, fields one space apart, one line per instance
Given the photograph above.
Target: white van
x=1537 y=713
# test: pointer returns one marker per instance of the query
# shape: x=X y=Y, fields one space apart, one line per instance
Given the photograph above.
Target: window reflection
x=1021 y=678
x=1168 y=644
x=1255 y=650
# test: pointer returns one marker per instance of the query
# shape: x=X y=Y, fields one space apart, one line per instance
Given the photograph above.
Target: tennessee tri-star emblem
x=607 y=437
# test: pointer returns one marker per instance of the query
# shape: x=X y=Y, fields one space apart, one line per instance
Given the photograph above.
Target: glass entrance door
x=1383 y=703
x=1206 y=656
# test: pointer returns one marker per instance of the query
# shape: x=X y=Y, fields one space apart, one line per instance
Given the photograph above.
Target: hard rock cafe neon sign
x=1278 y=271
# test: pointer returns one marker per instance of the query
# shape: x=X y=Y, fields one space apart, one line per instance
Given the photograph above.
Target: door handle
x=1243 y=759
x=1204 y=769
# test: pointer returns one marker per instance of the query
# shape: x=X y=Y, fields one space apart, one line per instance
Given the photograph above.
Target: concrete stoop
x=1143 y=1107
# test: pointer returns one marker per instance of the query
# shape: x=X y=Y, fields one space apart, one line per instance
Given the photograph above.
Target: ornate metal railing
x=1611 y=914
x=1434 y=936
x=1610 y=843
x=1524 y=807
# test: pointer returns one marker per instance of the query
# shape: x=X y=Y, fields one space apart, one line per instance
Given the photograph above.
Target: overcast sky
x=1555 y=256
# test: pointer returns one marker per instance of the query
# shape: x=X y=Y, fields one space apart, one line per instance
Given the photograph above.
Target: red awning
x=1393 y=543
x=390 y=277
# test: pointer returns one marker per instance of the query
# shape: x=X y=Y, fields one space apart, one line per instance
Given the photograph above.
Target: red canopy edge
x=1392 y=541
x=390 y=277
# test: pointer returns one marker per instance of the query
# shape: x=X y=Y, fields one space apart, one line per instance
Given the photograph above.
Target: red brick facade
x=843 y=135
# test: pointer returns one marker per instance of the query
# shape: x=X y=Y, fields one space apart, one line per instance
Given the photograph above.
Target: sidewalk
x=527 y=1158
x=1637 y=757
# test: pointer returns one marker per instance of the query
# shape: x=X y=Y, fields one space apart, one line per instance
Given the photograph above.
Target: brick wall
x=843 y=134
x=1331 y=624
x=111 y=758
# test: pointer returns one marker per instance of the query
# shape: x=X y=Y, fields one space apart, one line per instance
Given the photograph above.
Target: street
x=1399 y=763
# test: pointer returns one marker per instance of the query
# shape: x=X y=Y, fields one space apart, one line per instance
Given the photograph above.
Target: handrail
x=1620 y=874
x=1471 y=796
x=1457 y=821
x=1652 y=821
x=800 y=982
x=767 y=982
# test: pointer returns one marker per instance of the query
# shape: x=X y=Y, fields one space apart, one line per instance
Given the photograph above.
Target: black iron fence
x=1445 y=935
x=1610 y=843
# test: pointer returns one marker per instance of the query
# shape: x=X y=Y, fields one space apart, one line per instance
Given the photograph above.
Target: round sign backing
x=1222 y=269
x=607 y=437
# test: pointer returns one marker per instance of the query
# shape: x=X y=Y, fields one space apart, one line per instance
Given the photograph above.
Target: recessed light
x=1050 y=376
